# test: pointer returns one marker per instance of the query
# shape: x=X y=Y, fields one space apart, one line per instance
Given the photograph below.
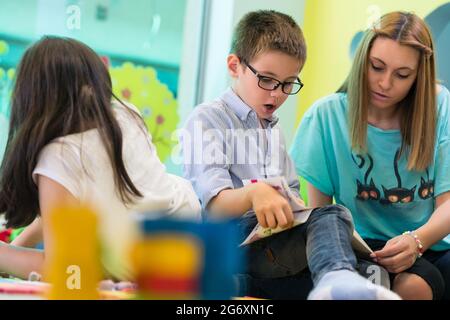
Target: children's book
x=301 y=214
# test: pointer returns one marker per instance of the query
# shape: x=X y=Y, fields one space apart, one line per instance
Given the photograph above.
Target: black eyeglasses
x=270 y=84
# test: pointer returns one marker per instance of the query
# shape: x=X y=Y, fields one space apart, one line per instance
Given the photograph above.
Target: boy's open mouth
x=269 y=106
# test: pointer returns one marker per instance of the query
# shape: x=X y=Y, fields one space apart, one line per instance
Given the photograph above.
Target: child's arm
x=20 y=262
x=316 y=198
x=271 y=208
x=30 y=236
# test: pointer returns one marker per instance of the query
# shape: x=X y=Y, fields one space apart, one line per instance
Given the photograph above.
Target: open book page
x=301 y=215
x=259 y=232
x=300 y=211
x=360 y=246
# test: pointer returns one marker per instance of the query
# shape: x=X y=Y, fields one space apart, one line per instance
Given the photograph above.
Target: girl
x=381 y=147
x=70 y=142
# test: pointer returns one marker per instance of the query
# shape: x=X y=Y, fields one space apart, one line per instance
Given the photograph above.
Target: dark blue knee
x=335 y=211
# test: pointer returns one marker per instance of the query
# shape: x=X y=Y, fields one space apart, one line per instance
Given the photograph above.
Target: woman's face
x=392 y=71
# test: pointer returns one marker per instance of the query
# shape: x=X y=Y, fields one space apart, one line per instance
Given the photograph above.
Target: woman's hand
x=398 y=254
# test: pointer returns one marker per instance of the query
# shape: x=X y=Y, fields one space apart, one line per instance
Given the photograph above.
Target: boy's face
x=273 y=64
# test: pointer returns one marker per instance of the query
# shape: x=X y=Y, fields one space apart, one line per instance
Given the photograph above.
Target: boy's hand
x=271 y=208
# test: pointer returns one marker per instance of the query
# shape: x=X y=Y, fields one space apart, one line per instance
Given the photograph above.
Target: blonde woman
x=381 y=147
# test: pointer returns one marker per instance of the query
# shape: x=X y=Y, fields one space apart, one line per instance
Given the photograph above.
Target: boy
x=236 y=138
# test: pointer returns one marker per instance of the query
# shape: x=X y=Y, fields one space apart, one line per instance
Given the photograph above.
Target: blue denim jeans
x=287 y=265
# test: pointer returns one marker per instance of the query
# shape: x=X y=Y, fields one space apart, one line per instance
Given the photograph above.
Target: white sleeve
x=162 y=191
x=60 y=163
x=185 y=201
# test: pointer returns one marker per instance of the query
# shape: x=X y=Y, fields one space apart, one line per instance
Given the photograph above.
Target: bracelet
x=419 y=244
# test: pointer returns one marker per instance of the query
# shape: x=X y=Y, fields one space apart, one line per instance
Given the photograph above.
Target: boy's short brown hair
x=264 y=30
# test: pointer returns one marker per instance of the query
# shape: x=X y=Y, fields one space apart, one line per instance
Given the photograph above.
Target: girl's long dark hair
x=62 y=87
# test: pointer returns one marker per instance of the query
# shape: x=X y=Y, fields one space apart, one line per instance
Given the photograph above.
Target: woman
x=381 y=147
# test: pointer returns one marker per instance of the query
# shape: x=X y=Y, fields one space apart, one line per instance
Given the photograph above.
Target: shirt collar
x=241 y=109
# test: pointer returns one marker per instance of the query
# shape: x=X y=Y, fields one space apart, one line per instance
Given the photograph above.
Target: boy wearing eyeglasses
x=237 y=138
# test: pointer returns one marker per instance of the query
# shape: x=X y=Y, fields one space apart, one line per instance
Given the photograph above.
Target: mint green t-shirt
x=384 y=197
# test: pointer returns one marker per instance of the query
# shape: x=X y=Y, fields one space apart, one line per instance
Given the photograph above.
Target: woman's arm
x=30 y=236
x=316 y=198
x=438 y=227
x=20 y=262
x=401 y=252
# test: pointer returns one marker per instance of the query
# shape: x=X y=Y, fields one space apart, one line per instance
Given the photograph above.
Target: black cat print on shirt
x=398 y=194
x=426 y=189
x=364 y=190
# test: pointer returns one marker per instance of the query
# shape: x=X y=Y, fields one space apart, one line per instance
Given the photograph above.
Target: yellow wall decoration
x=140 y=86
x=4 y=47
x=329 y=28
x=136 y=84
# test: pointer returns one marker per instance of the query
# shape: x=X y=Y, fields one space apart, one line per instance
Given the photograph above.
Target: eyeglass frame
x=279 y=83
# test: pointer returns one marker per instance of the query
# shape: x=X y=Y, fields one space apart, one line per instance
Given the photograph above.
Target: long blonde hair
x=419 y=116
